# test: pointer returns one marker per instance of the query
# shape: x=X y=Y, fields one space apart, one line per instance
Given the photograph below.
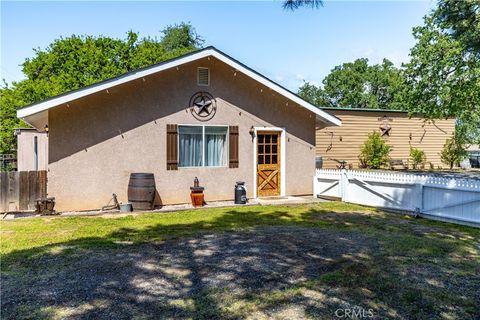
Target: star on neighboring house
x=385 y=130
x=203 y=105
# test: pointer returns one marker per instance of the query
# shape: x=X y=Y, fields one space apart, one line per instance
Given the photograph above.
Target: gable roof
x=33 y=112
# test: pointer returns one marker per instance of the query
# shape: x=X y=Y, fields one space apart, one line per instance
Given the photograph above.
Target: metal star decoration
x=385 y=127
x=385 y=130
x=203 y=106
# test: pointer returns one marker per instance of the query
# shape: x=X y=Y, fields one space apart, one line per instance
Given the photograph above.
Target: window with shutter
x=202 y=146
x=172 y=147
x=233 y=146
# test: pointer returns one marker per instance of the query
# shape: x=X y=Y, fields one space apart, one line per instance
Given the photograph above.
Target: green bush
x=418 y=157
x=375 y=152
x=453 y=152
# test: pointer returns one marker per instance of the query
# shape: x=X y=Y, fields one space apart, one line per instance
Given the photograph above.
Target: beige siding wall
x=343 y=143
x=96 y=142
x=26 y=159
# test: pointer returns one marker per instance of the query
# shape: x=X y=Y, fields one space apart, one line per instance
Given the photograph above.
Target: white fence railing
x=444 y=198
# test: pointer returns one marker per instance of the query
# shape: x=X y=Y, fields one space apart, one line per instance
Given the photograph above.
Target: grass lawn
x=285 y=262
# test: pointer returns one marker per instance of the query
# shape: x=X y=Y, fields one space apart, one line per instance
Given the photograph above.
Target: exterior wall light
x=252 y=132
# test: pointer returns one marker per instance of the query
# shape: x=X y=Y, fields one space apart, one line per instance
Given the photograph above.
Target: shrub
x=418 y=157
x=453 y=152
x=375 y=152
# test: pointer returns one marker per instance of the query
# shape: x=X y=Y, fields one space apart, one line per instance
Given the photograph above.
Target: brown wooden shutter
x=172 y=147
x=233 y=146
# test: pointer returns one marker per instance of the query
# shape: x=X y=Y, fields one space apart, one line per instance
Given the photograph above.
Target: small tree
x=418 y=157
x=375 y=152
x=453 y=152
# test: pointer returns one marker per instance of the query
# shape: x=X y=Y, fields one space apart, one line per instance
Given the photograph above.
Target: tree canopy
x=77 y=61
x=461 y=19
x=443 y=73
x=359 y=85
x=441 y=80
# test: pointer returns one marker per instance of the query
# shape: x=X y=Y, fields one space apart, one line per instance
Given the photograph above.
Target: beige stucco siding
x=26 y=159
x=343 y=143
x=96 y=142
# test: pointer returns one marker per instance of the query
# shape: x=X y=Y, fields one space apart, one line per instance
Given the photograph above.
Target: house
x=401 y=132
x=32 y=149
x=202 y=115
x=473 y=152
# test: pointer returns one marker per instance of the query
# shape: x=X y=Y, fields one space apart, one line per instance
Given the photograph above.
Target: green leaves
x=375 y=152
x=461 y=19
x=418 y=157
x=180 y=36
x=77 y=61
x=359 y=85
x=453 y=152
x=441 y=80
x=444 y=74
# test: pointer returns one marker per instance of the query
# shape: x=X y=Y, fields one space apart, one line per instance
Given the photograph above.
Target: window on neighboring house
x=202 y=146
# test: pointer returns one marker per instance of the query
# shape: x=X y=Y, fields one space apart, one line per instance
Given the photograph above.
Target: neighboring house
x=474 y=156
x=201 y=115
x=32 y=149
x=343 y=143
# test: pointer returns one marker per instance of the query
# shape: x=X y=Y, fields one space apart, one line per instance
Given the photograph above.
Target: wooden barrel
x=141 y=191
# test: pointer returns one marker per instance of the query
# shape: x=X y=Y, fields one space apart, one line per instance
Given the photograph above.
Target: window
x=202 y=146
x=203 y=76
x=190 y=146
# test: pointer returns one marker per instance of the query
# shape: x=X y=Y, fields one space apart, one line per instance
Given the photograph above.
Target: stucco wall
x=97 y=141
x=343 y=143
x=26 y=150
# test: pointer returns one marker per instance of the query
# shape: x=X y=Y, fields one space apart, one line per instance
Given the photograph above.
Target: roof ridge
x=174 y=62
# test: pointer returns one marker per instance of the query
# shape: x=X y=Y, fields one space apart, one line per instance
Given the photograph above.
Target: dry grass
x=302 y=261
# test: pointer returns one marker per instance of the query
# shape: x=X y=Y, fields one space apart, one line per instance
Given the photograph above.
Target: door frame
x=282 y=158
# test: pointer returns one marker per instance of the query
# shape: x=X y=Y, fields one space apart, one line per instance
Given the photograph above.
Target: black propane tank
x=240 y=193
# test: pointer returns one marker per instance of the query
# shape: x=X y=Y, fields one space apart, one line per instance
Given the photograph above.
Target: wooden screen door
x=268 y=163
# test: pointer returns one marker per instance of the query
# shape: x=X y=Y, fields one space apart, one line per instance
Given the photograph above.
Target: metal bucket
x=126 y=207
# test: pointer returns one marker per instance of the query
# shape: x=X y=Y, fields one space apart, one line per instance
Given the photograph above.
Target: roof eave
x=28 y=111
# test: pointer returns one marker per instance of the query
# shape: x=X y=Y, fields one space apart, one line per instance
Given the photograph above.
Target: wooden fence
x=443 y=198
x=20 y=189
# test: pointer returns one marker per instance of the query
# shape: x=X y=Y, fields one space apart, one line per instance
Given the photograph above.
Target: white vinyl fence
x=449 y=199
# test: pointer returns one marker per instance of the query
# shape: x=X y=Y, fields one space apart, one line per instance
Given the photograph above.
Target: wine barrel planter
x=141 y=191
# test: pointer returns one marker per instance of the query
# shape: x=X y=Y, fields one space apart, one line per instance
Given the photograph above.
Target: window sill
x=219 y=167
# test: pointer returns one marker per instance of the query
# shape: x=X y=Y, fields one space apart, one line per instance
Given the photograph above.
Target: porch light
x=252 y=132
x=46 y=128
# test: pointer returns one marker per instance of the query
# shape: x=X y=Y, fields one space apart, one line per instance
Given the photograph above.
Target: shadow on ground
x=311 y=267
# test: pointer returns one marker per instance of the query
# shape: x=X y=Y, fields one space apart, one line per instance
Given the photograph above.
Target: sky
x=288 y=47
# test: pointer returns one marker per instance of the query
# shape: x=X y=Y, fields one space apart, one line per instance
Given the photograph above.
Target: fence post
x=315 y=184
x=343 y=184
x=419 y=195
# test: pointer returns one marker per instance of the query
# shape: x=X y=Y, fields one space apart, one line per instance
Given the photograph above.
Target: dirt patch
x=266 y=272
x=135 y=280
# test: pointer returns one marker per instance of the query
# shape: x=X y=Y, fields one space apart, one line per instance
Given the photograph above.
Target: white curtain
x=215 y=146
x=190 y=146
